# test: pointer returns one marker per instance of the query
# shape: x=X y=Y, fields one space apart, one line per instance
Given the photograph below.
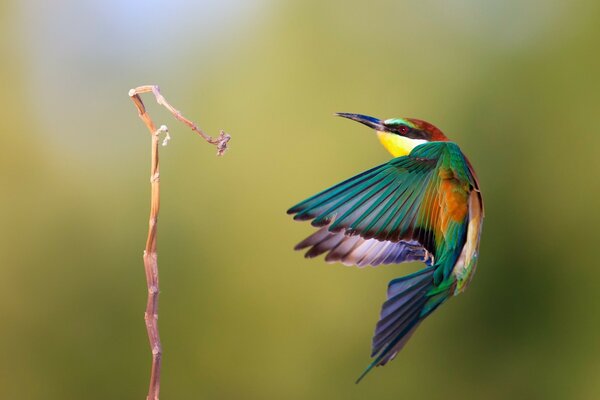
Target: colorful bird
x=423 y=205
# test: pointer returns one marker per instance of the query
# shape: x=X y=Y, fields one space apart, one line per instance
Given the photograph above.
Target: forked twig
x=220 y=141
x=150 y=254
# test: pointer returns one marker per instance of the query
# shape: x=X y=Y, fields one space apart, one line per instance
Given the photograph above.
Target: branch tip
x=222 y=142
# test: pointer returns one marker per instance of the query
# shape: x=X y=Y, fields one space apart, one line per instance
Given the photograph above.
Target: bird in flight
x=423 y=205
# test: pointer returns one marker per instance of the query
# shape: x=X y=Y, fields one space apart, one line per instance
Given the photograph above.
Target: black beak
x=366 y=120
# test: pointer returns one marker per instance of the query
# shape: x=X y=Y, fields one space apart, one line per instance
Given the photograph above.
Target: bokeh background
x=242 y=316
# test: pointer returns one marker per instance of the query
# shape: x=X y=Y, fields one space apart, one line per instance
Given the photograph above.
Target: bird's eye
x=403 y=129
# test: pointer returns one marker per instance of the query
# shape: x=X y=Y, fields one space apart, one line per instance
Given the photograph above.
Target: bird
x=422 y=205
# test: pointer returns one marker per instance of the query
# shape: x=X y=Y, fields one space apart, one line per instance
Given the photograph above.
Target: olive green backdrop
x=242 y=316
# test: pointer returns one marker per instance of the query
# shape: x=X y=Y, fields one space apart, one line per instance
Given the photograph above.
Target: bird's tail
x=410 y=300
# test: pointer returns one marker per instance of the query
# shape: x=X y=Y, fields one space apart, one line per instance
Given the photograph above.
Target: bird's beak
x=371 y=122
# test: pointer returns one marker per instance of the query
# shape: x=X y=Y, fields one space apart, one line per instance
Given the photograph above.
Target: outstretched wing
x=400 y=201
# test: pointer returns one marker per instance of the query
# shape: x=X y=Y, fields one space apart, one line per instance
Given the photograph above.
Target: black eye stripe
x=410 y=133
x=416 y=134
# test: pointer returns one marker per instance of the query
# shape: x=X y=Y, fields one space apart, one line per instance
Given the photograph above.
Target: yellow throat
x=398 y=145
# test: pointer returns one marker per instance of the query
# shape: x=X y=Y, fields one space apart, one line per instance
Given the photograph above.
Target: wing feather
x=356 y=250
x=394 y=202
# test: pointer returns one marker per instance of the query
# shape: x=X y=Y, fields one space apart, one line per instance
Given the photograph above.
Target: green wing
x=396 y=201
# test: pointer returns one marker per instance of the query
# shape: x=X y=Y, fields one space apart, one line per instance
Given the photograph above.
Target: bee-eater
x=423 y=205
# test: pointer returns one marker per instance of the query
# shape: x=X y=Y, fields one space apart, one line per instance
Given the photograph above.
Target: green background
x=242 y=316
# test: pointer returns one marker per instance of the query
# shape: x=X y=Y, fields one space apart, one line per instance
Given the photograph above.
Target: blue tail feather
x=401 y=313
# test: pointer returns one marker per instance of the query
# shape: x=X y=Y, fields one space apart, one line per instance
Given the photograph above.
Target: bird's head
x=400 y=135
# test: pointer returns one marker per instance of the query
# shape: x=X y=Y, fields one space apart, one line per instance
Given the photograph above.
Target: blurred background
x=243 y=316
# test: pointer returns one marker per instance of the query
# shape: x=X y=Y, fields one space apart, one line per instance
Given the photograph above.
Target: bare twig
x=220 y=141
x=150 y=254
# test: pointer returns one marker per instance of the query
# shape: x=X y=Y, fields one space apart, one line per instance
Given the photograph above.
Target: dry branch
x=150 y=254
